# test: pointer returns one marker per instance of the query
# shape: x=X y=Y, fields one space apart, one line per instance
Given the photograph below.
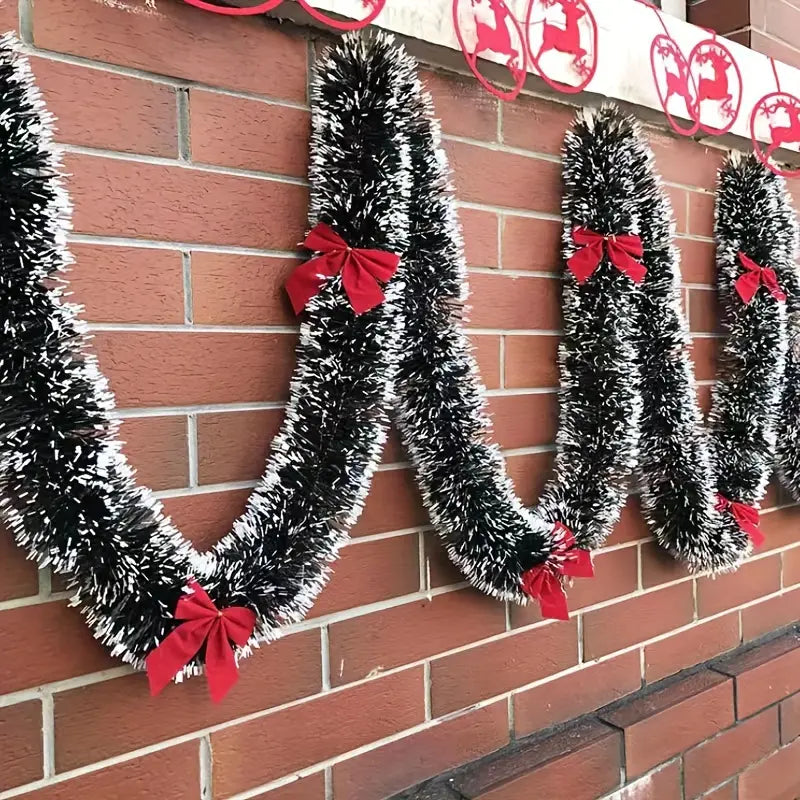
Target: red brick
x=494 y=177
x=314 y=731
x=615 y=574
x=693 y=646
x=710 y=763
x=462 y=106
x=410 y=632
x=206 y=517
x=704 y=357
x=106 y=719
x=749 y=582
x=679 y=200
x=96 y=108
x=530 y=472
x=19 y=577
x=486 y=351
x=464 y=678
x=658 y=566
x=222 y=289
x=175 y=369
x=670 y=720
x=57 y=645
x=21 y=743
x=685 y=161
x=769 y=615
x=775 y=778
x=631 y=526
x=531 y=244
x=117 y=197
x=235 y=445
x=581 y=762
x=510 y=302
x=102 y=279
x=630 y=621
x=790 y=719
x=179 y=41
x=661 y=784
x=524 y=420
x=399 y=764
x=765 y=674
x=791 y=566
x=534 y=124
x=698 y=261
x=311 y=787
x=480 y=231
x=531 y=362
x=701 y=214
x=158 y=450
x=368 y=572
x=393 y=503
x=570 y=696
x=703 y=311
x=249 y=134
x=438 y=567
x=142 y=778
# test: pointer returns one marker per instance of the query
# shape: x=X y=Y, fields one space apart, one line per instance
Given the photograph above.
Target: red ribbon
x=205 y=623
x=755 y=276
x=361 y=270
x=746 y=517
x=623 y=249
x=545 y=581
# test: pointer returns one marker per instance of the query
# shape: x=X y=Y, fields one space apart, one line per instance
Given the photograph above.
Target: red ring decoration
x=568 y=42
x=503 y=42
x=376 y=7
x=231 y=11
x=761 y=107
x=685 y=83
x=728 y=60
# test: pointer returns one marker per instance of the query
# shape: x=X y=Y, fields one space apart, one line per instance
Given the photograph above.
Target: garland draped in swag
x=379 y=180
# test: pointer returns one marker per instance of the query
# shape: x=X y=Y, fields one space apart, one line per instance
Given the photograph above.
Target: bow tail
x=307 y=280
x=363 y=291
x=221 y=670
x=175 y=652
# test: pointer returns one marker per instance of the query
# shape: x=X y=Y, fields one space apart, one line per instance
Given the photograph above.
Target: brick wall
x=185 y=138
x=729 y=729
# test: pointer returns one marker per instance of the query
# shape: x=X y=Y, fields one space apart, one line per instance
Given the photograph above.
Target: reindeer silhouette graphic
x=568 y=38
x=717 y=88
x=497 y=38
x=781 y=135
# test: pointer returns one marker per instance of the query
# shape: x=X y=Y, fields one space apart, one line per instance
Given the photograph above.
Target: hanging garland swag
x=381 y=302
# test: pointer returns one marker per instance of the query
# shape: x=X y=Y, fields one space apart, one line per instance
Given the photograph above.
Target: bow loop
x=545 y=581
x=623 y=249
x=747 y=518
x=362 y=270
x=204 y=624
x=748 y=283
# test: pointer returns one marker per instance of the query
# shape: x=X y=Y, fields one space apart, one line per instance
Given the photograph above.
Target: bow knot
x=746 y=517
x=545 y=581
x=204 y=624
x=362 y=270
x=623 y=249
x=754 y=276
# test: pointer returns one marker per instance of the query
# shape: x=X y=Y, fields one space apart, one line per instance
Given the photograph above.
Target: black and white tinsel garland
x=690 y=476
x=68 y=494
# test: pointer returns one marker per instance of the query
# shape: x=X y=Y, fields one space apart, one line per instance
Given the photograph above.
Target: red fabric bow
x=755 y=276
x=746 y=517
x=205 y=623
x=621 y=250
x=361 y=270
x=545 y=581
